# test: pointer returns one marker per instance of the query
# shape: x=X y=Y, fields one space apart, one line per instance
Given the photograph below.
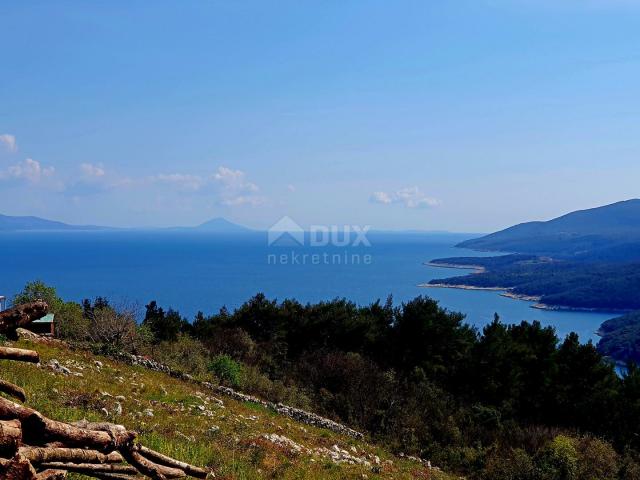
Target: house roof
x=46 y=319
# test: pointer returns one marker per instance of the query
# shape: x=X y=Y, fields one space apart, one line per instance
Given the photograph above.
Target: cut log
x=11 y=410
x=22 y=315
x=68 y=455
x=170 y=462
x=19 y=354
x=111 y=428
x=88 y=468
x=52 y=475
x=111 y=476
x=150 y=469
x=10 y=437
x=39 y=429
x=18 y=468
x=13 y=390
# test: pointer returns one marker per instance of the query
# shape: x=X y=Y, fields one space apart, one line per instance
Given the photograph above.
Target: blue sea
x=192 y=271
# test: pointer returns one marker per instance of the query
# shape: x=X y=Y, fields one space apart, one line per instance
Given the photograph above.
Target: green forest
x=558 y=283
x=512 y=401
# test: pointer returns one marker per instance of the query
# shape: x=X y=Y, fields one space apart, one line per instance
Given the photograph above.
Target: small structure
x=43 y=326
x=3 y=303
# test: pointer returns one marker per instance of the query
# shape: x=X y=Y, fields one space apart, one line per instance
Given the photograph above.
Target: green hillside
x=237 y=440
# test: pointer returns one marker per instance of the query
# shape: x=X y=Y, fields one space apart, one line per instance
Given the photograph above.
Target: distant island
x=30 y=223
x=36 y=224
x=218 y=225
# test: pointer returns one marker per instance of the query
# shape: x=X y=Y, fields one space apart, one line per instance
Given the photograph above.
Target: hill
x=10 y=223
x=221 y=225
x=237 y=439
x=585 y=260
x=608 y=232
x=621 y=338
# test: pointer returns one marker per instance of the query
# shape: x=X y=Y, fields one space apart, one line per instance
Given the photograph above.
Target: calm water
x=197 y=271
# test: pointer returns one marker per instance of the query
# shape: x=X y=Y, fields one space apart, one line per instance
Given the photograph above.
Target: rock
x=54 y=365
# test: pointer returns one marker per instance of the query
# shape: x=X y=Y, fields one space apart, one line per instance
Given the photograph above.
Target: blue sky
x=457 y=115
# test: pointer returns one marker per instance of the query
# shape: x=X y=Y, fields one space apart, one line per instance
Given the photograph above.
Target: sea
x=194 y=271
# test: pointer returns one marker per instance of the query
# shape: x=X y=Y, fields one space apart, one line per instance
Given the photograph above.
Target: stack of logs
x=34 y=447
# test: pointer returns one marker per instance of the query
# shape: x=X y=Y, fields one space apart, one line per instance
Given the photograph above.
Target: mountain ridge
x=609 y=232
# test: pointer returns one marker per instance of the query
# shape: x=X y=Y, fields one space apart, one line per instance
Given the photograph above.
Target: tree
x=38 y=290
x=165 y=326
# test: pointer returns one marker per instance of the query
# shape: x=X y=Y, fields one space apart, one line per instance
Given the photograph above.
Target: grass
x=189 y=424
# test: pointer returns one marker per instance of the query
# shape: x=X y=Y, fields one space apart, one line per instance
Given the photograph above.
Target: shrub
x=509 y=464
x=598 y=460
x=70 y=323
x=182 y=354
x=255 y=382
x=559 y=460
x=112 y=330
x=630 y=468
x=226 y=369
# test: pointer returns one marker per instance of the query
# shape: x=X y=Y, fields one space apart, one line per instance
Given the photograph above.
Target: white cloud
x=291 y=188
x=9 y=141
x=92 y=171
x=183 y=181
x=30 y=170
x=230 y=186
x=381 y=197
x=235 y=190
x=234 y=180
x=410 y=197
x=241 y=200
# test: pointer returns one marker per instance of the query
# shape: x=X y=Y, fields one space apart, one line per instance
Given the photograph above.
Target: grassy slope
x=181 y=428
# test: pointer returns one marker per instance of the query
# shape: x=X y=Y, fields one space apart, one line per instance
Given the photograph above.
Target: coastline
x=462 y=287
x=507 y=293
x=475 y=268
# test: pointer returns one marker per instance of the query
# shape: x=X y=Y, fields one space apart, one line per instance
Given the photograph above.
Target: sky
x=454 y=115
